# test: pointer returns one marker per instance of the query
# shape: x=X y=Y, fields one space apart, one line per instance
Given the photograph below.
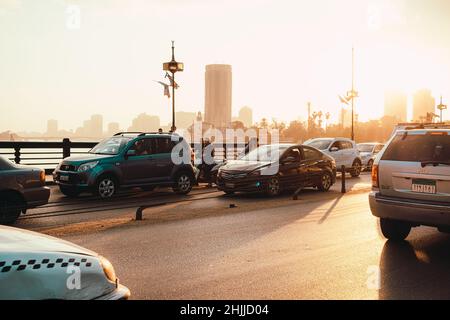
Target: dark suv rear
x=145 y=160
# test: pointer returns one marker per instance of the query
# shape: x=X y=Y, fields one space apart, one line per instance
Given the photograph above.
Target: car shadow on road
x=411 y=270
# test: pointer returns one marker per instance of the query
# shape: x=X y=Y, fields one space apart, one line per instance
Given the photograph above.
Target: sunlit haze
x=283 y=54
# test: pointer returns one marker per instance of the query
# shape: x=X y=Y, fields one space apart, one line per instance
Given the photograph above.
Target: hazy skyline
x=283 y=54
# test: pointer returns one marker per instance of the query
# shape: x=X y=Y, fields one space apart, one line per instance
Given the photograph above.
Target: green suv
x=127 y=160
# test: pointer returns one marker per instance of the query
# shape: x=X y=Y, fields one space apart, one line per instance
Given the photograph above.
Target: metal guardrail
x=49 y=154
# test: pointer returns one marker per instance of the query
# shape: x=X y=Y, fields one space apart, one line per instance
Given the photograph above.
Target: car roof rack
x=156 y=132
x=129 y=132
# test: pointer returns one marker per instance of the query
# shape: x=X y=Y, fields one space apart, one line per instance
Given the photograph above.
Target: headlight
x=108 y=269
x=87 y=166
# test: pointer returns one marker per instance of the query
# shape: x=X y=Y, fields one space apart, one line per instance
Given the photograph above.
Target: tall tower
x=423 y=103
x=396 y=105
x=218 y=88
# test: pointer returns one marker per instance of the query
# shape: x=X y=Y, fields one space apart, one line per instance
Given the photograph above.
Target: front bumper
x=418 y=213
x=74 y=179
x=254 y=184
x=36 y=196
x=120 y=293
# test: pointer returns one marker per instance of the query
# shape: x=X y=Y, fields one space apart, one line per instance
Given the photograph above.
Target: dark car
x=129 y=160
x=273 y=168
x=21 y=188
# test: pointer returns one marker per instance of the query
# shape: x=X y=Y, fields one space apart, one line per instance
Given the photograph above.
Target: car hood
x=19 y=240
x=241 y=165
x=86 y=158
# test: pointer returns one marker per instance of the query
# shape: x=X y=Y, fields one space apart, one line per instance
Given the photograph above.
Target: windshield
x=365 y=147
x=265 y=153
x=321 y=144
x=111 y=146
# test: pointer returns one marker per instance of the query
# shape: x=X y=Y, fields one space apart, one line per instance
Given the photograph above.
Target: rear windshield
x=418 y=148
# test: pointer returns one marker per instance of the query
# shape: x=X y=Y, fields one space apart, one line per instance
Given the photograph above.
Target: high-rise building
x=184 y=119
x=218 y=89
x=396 y=105
x=246 y=116
x=423 y=103
x=145 y=123
x=96 y=126
x=52 y=127
x=113 y=128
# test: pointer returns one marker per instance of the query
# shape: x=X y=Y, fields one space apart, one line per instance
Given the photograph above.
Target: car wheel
x=394 y=230
x=10 y=208
x=325 y=182
x=148 y=188
x=369 y=165
x=183 y=183
x=70 y=192
x=356 y=169
x=273 y=187
x=106 y=187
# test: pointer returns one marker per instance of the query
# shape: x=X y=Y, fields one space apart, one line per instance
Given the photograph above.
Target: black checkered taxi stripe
x=20 y=265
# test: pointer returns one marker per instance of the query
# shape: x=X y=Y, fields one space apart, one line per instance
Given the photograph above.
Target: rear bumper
x=36 y=196
x=418 y=213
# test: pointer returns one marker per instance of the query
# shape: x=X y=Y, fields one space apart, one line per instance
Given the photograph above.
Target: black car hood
x=247 y=166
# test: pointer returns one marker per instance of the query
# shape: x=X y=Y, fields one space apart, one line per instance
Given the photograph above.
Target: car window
x=346 y=145
x=418 y=148
x=142 y=147
x=163 y=145
x=362 y=147
x=321 y=144
x=295 y=153
x=337 y=144
x=311 y=154
x=111 y=146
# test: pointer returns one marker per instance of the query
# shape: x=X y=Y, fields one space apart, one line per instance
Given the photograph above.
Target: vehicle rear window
x=418 y=148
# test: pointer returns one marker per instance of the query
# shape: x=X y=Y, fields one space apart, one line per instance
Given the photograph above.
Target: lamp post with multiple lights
x=173 y=66
x=441 y=107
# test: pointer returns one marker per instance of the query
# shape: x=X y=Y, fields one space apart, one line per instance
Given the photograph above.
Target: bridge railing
x=48 y=154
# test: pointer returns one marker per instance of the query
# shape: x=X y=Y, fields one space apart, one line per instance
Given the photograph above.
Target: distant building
x=145 y=123
x=52 y=128
x=218 y=92
x=423 y=103
x=396 y=105
x=96 y=126
x=345 y=119
x=113 y=128
x=246 y=116
x=184 y=119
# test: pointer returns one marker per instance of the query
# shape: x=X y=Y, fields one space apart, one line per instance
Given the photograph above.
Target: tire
x=369 y=166
x=273 y=188
x=148 y=188
x=106 y=187
x=70 y=192
x=183 y=183
x=326 y=181
x=11 y=205
x=356 y=169
x=394 y=230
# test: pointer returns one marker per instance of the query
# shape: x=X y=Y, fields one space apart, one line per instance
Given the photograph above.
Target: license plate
x=64 y=178
x=229 y=185
x=424 y=186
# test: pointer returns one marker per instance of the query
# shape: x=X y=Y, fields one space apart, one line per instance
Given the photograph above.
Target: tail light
x=42 y=177
x=375 y=178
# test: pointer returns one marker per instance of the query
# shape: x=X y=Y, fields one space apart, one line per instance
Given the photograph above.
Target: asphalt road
x=322 y=246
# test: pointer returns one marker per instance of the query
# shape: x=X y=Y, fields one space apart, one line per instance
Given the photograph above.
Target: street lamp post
x=353 y=94
x=441 y=107
x=173 y=66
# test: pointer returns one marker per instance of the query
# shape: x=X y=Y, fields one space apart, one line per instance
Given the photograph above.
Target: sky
x=54 y=65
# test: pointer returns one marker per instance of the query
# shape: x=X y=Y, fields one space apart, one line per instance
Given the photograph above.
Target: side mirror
x=334 y=149
x=130 y=153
